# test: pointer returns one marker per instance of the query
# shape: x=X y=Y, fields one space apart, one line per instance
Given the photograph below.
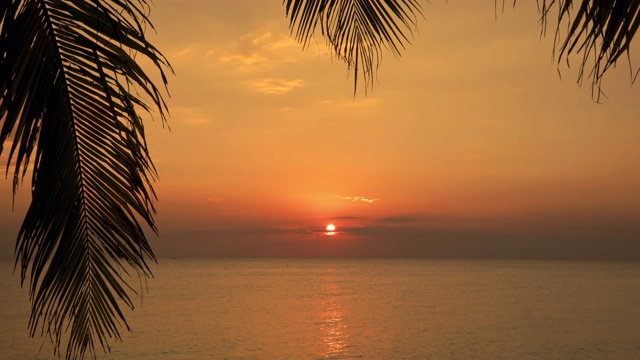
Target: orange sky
x=469 y=145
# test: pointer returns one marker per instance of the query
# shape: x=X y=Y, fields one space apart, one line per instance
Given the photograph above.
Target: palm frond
x=69 y=102
x=356 y=30
x=599 y=32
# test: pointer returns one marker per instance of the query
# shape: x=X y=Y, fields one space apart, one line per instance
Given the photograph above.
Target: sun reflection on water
x=332 y=315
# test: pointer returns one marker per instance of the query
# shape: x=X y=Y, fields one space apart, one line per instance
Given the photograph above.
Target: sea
x=364 y=309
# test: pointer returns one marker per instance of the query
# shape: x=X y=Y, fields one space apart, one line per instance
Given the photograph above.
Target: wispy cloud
x=298 y=229
x=358 y=198
x=215 y=200
x=277 y=86
x=253 y=52
x=242 y=60
x=185 y=51
x=346 y=218
x=191 y=116
x=270 y=42
x=256 y=49
x=400 y=220
x=259 y=39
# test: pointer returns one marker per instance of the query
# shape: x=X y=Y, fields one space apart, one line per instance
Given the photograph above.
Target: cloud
x=359 y=198
x=242 y=60
x=269 y=42
x=215 y=200
x=284 y=42
x=187 y=51
x=261 y=38
x=277 y=86
x=400 y=220
x=432 y=221
x=252 y=52
x=258 y=49
x=305 y=230
x=191 y=115
x=346 y=218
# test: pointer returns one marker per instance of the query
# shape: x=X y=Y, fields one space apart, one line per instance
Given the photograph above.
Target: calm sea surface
x=369 y=309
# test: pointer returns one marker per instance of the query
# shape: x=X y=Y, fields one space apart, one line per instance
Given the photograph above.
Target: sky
x=473 y=144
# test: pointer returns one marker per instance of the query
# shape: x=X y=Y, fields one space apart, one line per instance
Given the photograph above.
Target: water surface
x=369 y=309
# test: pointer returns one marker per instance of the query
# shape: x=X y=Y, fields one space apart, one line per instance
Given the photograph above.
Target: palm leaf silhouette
x=356 y=30
x=598 y=32
x=68 y=101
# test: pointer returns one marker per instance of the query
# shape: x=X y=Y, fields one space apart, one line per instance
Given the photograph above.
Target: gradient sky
x=470 y=145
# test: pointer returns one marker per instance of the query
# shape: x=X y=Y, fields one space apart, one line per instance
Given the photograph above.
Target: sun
x=330 y=229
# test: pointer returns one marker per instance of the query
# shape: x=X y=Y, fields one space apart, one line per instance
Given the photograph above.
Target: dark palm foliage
x=356 y=30
x=599 y=32
x=68 y=104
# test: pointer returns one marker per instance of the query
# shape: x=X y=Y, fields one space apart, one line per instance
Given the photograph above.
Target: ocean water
x=366 y=309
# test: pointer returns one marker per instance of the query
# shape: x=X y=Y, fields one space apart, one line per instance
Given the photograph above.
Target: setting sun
x=331 y=227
